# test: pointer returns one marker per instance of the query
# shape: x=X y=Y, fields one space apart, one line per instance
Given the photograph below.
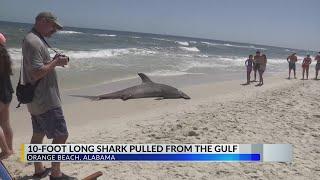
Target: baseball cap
x=2 y=39
x=50 y=17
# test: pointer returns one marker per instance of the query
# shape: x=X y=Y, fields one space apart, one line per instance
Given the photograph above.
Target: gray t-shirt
x=36 y=55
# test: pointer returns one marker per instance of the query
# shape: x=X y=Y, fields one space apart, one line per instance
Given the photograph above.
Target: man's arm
x=45 y=69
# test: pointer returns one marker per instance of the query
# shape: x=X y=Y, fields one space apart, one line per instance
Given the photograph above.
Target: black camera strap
x=21 y=68
x=43 y=39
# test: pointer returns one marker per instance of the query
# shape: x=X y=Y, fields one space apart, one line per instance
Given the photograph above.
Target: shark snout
x=184 y=95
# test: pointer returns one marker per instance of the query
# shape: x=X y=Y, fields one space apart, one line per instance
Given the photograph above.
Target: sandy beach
x=281 y=111
x=201 y=48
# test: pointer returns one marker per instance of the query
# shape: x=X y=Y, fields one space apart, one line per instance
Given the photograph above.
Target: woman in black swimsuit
x=6 y=91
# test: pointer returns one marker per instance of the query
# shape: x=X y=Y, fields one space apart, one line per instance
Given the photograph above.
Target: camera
x=62 y=55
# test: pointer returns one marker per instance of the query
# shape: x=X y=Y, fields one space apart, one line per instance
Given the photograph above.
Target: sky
x=283 y=23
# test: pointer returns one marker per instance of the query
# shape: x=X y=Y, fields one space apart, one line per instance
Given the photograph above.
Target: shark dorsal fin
x=144 y=78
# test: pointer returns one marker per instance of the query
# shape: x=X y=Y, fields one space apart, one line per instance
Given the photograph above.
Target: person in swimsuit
x=292 y=59
x=262 y=68
x=255 y=64
x=6 y=91
x=249 y=64
x=317 y=58
x=305 y=66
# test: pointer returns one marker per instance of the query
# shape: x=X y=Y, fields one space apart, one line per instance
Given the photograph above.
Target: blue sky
x=285 y=23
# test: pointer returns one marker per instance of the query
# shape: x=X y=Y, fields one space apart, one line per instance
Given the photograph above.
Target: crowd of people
x=259 y=63
x=292 y=60
x=45 y=109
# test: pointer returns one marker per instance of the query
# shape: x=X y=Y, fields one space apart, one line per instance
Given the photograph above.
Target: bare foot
x=5 y=155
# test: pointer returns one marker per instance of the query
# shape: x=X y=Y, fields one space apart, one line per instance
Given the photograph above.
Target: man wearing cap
x=292 y=59
x=317 y=58
x=45 y=108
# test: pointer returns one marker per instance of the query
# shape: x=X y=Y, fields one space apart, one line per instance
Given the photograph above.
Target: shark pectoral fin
x=126 y=97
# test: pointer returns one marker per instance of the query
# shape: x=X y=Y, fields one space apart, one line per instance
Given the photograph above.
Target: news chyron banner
x=157 y=152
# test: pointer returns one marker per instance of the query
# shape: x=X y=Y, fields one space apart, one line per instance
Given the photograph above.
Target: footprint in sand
x=316 y=115
x=192 y=133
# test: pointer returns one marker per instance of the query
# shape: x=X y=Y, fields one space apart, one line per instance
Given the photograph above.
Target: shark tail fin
x=144 y=78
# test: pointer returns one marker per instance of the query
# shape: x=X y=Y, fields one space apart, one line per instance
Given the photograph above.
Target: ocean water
x=102 y=56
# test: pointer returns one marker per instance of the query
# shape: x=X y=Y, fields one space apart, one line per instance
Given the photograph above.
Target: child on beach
x=249 y=64
x=305 y=66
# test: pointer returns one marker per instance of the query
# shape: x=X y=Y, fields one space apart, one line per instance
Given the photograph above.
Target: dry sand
x=281 y=111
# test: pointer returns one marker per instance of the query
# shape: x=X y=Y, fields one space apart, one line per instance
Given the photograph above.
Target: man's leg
x=307 y=71
x=37 y=138
x=57 y=130
x=56 y=171
x=259 y=76
x=303 y=70
x=289 y=73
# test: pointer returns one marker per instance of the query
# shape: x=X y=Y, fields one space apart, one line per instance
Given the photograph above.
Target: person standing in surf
x=292 y=59
x=305 y=66
x=262 y=68
x=249 y=64
x=256 y=60
x=317 y=58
